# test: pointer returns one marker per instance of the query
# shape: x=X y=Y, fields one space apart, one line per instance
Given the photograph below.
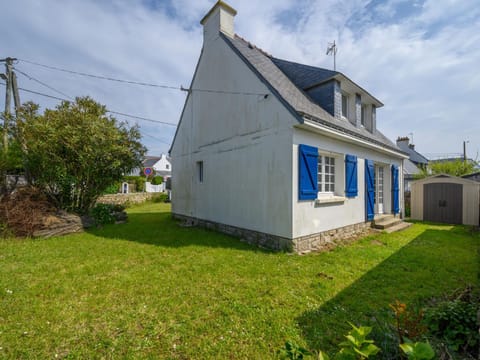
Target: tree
x=73 y=153
x=452 y=167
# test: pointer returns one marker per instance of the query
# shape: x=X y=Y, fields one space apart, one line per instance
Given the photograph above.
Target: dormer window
x=363 y=116
x=344 y=106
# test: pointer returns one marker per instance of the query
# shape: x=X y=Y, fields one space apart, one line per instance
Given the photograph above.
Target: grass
x=151 y=289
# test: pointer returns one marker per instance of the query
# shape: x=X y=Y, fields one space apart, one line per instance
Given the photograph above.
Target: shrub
x=418 y=350
x=158 y=198
x=455 y=321
x=157 y=180
x=76 y=151
x=112 y=189
x=138 y=181
x=106 y=213
x=409 y=321
x=292 y=351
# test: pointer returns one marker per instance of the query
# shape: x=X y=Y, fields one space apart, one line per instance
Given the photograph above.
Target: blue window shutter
x=307 y=172
x=395 y=190
x=351 y=181
x=369 y=189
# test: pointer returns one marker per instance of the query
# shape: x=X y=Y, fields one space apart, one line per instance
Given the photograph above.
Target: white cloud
x=422 y=65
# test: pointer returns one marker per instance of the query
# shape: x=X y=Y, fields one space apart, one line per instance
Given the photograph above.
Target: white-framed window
x=363 y=117
x=167 y=166
x=345 y=105
x=326 y=174
x=200 y=171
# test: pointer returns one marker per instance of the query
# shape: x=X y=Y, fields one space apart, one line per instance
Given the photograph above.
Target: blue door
x=369 y=189
x=395 y=190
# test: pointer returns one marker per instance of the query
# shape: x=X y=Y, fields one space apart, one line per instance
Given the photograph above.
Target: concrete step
x=398 y=227
x=386 y=221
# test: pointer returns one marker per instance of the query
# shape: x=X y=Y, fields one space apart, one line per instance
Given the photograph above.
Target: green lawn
x=152 y=289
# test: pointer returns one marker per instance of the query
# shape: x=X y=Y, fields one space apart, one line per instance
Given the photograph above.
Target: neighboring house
x=163 y=167
x=414 y=165
x=281 y=154
x=161 y=164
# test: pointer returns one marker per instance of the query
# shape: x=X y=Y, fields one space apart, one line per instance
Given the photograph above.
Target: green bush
x=105 y=213
x=160 y=198
x=138 y=181
x=112 y=189
x=456 y=323
x=157 y=180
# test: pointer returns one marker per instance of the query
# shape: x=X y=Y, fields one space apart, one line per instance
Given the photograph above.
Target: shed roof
x=447 y=178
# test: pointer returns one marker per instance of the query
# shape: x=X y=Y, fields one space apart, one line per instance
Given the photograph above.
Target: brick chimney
x=219 y=18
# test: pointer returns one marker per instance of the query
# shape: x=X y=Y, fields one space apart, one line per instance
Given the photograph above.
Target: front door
x=379 y=187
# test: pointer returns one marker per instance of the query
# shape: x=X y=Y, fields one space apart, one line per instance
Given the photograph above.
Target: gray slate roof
x=304 y=76
x=414 y=156
x=295 y=99
x=149 y=161
x=410 y=169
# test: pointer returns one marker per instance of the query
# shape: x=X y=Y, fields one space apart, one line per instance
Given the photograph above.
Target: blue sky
x=419 y=57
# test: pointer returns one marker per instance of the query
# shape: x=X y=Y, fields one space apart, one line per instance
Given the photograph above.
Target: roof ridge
x=306 y=65
x=253 y=46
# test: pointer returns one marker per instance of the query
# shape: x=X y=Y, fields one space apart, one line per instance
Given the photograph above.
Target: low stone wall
x=122 y=199
x=315 y=242
x=331 y=238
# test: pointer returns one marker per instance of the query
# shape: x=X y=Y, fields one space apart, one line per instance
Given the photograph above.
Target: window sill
x=330 y=200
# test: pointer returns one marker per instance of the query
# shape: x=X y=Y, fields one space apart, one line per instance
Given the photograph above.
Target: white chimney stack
x=219 y=18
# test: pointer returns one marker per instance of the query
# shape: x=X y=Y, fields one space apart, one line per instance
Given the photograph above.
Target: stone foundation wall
x=331 y=238
x=122 y=199
x=314 y=242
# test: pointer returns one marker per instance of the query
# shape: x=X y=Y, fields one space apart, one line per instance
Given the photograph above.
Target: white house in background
x=281 y=154
x=162 y=165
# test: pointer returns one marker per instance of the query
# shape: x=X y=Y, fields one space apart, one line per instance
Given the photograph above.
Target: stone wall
x=122 y=199
x=331 y=238
x=314 y=242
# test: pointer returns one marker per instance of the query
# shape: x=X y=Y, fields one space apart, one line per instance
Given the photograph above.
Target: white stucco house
x=161 y=164
x=281 y=154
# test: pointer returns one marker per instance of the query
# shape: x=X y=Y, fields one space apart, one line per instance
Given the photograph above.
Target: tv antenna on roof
x=332 y=49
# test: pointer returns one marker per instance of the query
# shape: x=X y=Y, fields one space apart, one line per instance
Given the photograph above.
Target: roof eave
x=356 y=137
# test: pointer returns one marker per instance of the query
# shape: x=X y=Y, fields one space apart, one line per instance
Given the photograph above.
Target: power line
x=100 y=76
x=42 y=83
x=155 y=138
x=141 y=118
x=109 y=111
x=142 y=83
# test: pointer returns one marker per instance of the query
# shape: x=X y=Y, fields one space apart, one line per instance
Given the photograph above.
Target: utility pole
x=10 y=79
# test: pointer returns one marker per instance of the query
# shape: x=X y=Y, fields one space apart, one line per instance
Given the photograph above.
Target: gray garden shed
x=446 y=199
